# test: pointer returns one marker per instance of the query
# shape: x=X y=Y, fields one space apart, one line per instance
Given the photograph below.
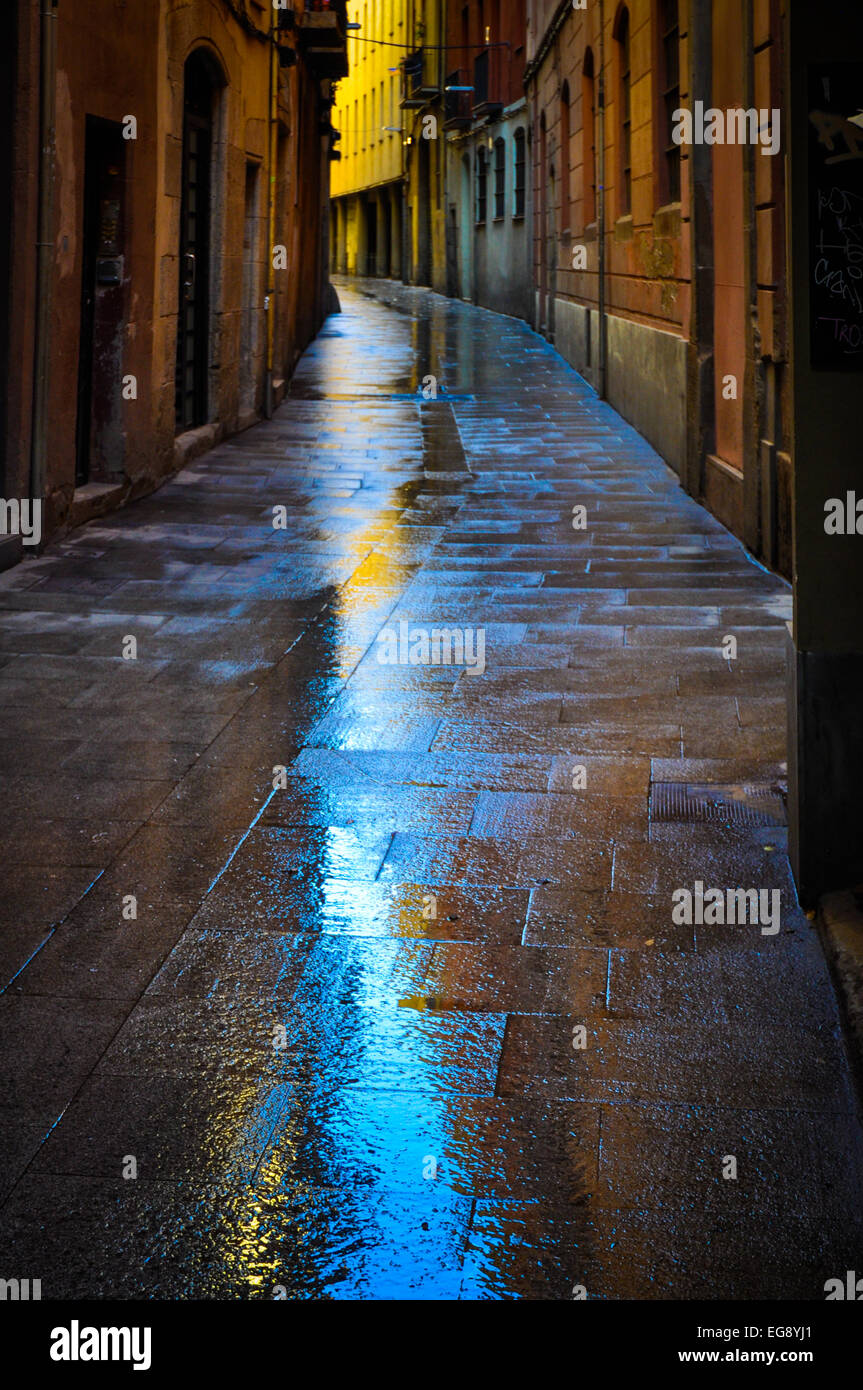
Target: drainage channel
x=442 y=446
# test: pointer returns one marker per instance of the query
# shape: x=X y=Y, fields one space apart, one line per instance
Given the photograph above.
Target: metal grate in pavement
x=748 y=803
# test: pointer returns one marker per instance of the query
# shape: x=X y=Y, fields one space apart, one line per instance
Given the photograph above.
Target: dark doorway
x=424 y=266
x=385 y=256
x=551 y=255
x=193 y=330
x=99 y=429
x=371 y=238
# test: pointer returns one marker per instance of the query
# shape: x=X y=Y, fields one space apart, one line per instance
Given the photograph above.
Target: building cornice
x=548 y=38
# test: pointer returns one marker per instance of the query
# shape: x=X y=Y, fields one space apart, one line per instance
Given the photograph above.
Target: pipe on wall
x=272 y=160
x=45 y=241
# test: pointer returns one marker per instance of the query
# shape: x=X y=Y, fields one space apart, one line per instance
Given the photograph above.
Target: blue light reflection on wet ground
x=338 y=1037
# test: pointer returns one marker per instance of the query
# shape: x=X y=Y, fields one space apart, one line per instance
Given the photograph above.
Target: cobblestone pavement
x=414 y=1017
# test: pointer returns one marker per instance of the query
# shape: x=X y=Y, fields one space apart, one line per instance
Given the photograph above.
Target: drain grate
x=748 y=803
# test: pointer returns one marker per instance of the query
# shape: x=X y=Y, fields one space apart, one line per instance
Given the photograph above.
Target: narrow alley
x=357 y=973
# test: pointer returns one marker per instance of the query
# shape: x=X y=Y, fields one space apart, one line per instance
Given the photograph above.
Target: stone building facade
x=423 y=72
x=388 y=184
x=559 y=184
x=623 y=211
x=181 y=210
x=488 y=152
x=367 y=178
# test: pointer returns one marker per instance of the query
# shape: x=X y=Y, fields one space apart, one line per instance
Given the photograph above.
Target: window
x=481 y=185
x=564 y=156
x=668 y=88
x=518 y=181
x=588 y=137
x=624 y=115
x=499 y=178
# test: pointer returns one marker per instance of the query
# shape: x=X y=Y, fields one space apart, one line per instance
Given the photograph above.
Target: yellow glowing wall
x=368 y=99
x=387 y=140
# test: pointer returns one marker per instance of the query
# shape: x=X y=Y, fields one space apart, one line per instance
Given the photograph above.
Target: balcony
x=419 y=84
x=458 y=104
x=322 y=38
x=488 y=69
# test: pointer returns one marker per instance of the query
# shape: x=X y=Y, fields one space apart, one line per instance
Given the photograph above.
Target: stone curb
x=840 y=922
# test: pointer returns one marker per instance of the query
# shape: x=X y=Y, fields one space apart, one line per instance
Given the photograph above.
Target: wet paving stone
x=271 y=859
x=161 y=864
x=325 y=1043
x=744 y=1063
x=226 y=965
x=538 y=1250
x=456 y=736
x=520 y=814
x=352 y=907
x=723 y=985
x=471 y=1145
x=94 y=799
x=176 y=1130
x=98 y=953
x=572 y=917
x=64 y=842
x=518 y=863
x=52 y=1044
x=689 y=1147
x=109 y=1239
x=42 y=895
x=474 y=771
x=507 y=979
x=370 y=961
x=423 y=809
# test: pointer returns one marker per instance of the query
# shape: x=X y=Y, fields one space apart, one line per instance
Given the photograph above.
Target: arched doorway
x=201 y=80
